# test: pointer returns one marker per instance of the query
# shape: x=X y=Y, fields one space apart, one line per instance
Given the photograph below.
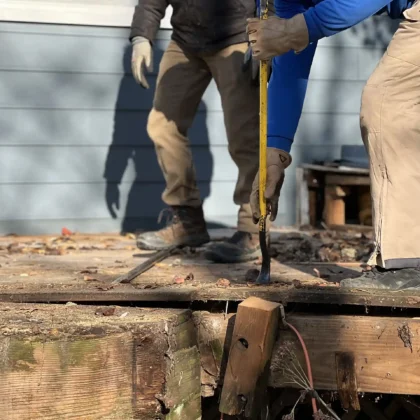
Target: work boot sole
x=223 y=258
x=192 y=241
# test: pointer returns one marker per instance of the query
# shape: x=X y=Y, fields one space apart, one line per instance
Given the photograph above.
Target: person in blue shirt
x=389 y=119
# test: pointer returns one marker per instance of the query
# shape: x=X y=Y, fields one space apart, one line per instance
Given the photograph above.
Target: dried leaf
x=297 y=284
x=106 y=311
x=71 y=304
x=87 y=271
x=89 y=278
x=66 y=232
x=24 y=275
x=130 y=236
x=318 y=274
x=223 y=283
x=124 y=315
x=104 y=288
x=178 y=280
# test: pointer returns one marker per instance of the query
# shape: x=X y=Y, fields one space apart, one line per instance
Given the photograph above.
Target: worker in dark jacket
x=209 y=41
x=389 y=118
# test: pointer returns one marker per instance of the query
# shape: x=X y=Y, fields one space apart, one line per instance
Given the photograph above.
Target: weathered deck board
x=386 y=350
x=59 y=361
x=86 y=265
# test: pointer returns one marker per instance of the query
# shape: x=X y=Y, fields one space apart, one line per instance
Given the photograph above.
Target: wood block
x=60 y=361
x=334 y=207
x=384 y=363
x=246 y=378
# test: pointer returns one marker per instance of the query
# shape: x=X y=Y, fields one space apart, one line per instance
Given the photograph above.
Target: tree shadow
x=131 y=168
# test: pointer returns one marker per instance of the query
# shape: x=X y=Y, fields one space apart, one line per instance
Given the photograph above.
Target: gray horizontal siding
x=69 y=109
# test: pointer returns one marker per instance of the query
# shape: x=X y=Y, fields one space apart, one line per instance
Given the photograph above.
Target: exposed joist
x=384 y=362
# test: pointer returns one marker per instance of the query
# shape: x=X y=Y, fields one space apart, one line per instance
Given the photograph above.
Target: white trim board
x=71 y=13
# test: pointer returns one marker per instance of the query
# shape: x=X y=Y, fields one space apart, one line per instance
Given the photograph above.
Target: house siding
x=69 y=109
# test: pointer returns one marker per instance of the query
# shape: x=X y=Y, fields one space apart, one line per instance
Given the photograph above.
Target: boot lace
x=170 y=215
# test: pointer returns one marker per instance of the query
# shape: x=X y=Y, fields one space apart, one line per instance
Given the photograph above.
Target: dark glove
x=277 y=161
x=276 y=36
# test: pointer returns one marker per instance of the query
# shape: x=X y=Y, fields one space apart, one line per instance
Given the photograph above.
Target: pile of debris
x=322 y=246
x=64 y=244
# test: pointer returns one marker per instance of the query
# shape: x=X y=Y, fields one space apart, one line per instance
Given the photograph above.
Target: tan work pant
x=181 y=83
x=390 y=124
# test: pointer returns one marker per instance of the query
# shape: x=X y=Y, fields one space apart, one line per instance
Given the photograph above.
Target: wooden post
x=334 y=211
x=248 y=366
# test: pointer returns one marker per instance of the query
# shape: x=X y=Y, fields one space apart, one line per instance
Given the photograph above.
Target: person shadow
x=131 y=148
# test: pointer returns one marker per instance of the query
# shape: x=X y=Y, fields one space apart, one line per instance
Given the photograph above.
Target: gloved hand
x=252 y=65
x=141 y=58
x=276 y=36
x=277 y=161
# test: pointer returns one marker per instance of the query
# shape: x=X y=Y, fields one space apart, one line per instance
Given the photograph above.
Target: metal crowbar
x=264 y=276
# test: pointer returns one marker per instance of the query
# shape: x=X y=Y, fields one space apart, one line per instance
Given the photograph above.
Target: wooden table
x=335 y=183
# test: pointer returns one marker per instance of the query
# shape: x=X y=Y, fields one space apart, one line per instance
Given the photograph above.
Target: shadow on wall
x=376 y=32
x=130 y=142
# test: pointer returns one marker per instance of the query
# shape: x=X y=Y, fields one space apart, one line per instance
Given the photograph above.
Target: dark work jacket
x=198 y=25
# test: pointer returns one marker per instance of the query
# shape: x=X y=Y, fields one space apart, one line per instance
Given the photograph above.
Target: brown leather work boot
x=185 y=227
x=241 y=247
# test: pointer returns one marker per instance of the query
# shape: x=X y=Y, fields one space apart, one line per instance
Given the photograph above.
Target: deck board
x=81 y=268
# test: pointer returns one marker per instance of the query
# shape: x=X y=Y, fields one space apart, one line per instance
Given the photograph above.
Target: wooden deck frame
x=386 y=351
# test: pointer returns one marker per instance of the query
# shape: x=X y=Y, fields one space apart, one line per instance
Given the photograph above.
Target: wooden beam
x=58 y=361
x=248 y=365
x=383 y=363
x=351 y=180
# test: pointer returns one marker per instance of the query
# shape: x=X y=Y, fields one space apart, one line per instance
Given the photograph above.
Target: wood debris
x=106 y=311
x=324 y=246
x=223 y=283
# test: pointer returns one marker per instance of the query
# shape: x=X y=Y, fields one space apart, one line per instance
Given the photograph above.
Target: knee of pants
x=158 y=127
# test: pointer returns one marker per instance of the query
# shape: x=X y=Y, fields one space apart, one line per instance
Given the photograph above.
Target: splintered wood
x=246 y=378
x=60 y=361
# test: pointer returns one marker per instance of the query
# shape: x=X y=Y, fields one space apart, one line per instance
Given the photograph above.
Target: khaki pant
x=390 y=124
x=182 y=80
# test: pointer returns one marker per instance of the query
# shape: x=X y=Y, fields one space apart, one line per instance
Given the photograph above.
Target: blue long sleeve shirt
x=290 y=72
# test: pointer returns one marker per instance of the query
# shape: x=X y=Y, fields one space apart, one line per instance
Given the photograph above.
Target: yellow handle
x=263 y=129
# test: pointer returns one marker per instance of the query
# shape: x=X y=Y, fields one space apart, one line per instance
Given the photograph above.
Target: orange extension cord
x=308 y=365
